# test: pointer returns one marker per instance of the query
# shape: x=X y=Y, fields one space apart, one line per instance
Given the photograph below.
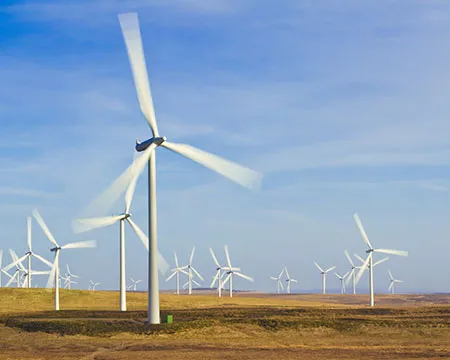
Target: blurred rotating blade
x=80 y=245
x=87 y=224
x=214 y=257
x=44 y=227
x=362 y=231
x=231 y=170
x=244 y=276
x=129 y=23
x=363 y=268
x=392 y=252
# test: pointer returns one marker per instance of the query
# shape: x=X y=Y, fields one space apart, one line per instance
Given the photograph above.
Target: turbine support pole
x=324 y=283
x=372 y=300
x=153 y=285
x=354 y=283
x=178 y=282
x=123 y=295
x=190 y=281
x=57 y=281
x=29 y=256
x=220 y=283
x=231 y=285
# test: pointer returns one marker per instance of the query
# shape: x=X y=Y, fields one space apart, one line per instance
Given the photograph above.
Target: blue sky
x=342 y=105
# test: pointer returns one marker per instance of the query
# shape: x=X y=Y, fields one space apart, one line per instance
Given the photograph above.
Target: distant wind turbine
x=288 y=280
x=219 y=274
x=233 y=271
x=134 y=284
x=191 y=271
x=279 y=281
x=393 y=281
x=324 y=276
x=176 y=272
x=342 y=280
x=93 y=285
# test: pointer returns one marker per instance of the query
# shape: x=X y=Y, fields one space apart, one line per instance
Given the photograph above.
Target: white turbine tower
x=279 y=281
x=86 y=224
x=176 y=272
x=342 y=280
x=324 y=276
x=54 y=273
x=233 y=271
x=191 y=271
x=237 y=173
x=134 y=284
x=219 y=274
x=289 y=280
x=1 y=269
x=369 y=261
x=393 y=281
x=93 y=285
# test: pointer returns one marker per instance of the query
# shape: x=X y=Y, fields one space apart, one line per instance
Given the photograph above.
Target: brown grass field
x=247 y=326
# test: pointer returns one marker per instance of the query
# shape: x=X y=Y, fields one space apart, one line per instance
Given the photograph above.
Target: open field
x=247 y=326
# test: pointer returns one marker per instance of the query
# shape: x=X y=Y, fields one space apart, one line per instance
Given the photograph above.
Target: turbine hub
x=142 y=146
x=55 y=249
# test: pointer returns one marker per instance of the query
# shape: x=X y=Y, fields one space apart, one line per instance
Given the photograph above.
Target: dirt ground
x=248 y=326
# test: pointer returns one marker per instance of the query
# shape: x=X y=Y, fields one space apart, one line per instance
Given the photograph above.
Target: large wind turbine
x=86 y=224
x=369 y=261
x=324 y=276
x=237 y=173
x=176 y=272
x=289 y=280
x=54 y=273
x=191 y=271
x=219 y=274
x=279 y=281
x=393 y=281
x=233 y=271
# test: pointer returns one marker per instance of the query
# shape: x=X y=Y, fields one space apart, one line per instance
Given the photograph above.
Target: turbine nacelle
x=55 y=249
x=142 y=146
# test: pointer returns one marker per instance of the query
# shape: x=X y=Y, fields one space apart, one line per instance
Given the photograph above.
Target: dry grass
x=243 y=327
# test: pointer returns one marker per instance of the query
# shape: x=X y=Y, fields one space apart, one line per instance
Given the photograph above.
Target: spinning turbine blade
x=104 y=202
x=82 y=225
x=392 y=252
x=244 y=276
x=45 y=261
x=16 y=263
x=197 y=273
x=51 y=277
x=331 y=268
x=44 y=227
x=192 y=256
x=171 y=276
x=320 y=269
x=359 y=258
x=287 y=274
x=163 y=265
x=390 y=275
x=130 y=193
x=361 y=229
x=363 y=268
x=130 y=27
x=231 y=170
x=390 y=285
x=227 y=255
x=214 y=257
x=215 y=278
x=80 y=245
x=380 y=261
x=176 y=260
x=349 y=258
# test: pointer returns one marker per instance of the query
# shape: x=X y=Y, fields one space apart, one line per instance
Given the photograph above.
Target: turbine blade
x=171 y=276
x=29 y=233
x=15 y=263
x=380 y=261
x=320 y=269
x=214 y=257
x=227 y=255
x=87 y=224
x=214 y=280
x=129 y=23
x=43 y=226
x=226 y=280
x=349 y=277
x=390 y=275
x=281 y=273
x=287 y=273
x=51 y=276
x=349 y=258
x=361 y=229
x=331 y=268
x=244 y=276
x=391 y=284
x=130 y=193
x=1 y=258
x=233 y=171
x=392 y=252
x=281 y=285
x=197 y=273
x=359 y=258
x=363 y=268
x=163 y=265
x=196 y=283
x=273 y=278
x=176 y=260
x=104 y=202
x=192 y=256
x=80 y=245
x=45 y=261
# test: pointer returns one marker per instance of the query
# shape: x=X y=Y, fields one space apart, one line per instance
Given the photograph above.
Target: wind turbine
x=352 y=274
x=176 y=271
x=369 y=260
x=393 y=281
x=68 y=279
x=279 y=281
x=134 y=285
x=233 y=271
x=289 y=280
x=219 y=274
x=54 y=273
x=324 y=276
x=246 y=177
x=20 y=269
x=93 y=285
x=342 y=280
x=86 y=224
x=190 y=271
